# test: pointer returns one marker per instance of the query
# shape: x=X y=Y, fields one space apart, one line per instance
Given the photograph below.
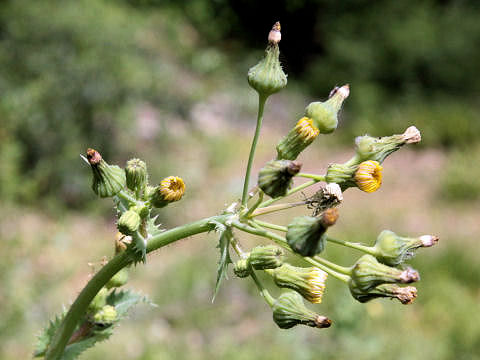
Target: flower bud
x=367 y=273
x=368 y=176
x=106 y=315
x=289 y=311
x=118 y=280
x=305 y=233
x=129 y=222
x=341 y=174
x=393 y=250
x=170 y=189
x=406 y=295
x=266 y=257
x=297 y=139
x=141 y=209
x=267 y=77
x=325 y=114
x=371 y=148
x=136 y=174
x=108 y=180
x=242 y=268
x=275 y=178
x=98 y=301
x=308 y=282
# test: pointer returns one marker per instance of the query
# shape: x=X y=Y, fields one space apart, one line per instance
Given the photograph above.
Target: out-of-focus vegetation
x=165 y=81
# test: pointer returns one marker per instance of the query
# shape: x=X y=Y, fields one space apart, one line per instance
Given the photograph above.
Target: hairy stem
x=261 y=106
x=80 y=305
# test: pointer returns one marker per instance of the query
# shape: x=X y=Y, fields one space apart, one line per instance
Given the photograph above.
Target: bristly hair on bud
x=368 y=176
x=325 y=114
x=136 y=174
x=108 y=180
x=406 y=295
x=393 y=250
x=297 y=140
x=170 y=189
x=267 y=77
x=308 y=282
x=289 y=311
x=275 y=178
x=129 y=222
x=266 y=257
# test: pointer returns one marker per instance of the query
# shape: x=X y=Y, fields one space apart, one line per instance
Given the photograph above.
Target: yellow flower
x=172 y=188
x=368 y=176
x=306 y=129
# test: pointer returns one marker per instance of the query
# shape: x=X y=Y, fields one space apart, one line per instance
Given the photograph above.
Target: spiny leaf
x=72 y=351
x=47 y=334
x=124 y=300
x=223 y=245
x=140 y=247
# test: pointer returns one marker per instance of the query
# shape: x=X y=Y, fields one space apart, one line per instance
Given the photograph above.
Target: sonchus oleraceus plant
x=380 y=272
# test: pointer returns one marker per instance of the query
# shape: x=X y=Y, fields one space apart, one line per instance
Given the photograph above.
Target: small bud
x=129 y=222
x=297 y=139
x=108 y=180
x=371 y=148
x=170 y=189
x=308 y=282
x=242 y=268
x=118 y=280
x=275 y=178
x=406 y=295
x=107 y=315
x=266 y=257
x=368 y=176
x=325 y=114
x=267 y=77
x=342 y=175
x=367 y=273
x=393 y=250
x=136 y=174
x=305 y=233
x=289 y=311
x=141 y=209
x=98 y=301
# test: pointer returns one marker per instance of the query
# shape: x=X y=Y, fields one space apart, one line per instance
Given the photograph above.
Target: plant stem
x=274 y=208
x=264 y=292
x=261 y=106
x=271 y=226
x=340 y=269
x=292 y=191
x=254 y=206
x=312 y=176
x=357 y=246
x=79 y=307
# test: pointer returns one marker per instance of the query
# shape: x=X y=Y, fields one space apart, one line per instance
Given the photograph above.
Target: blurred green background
x=165 y=81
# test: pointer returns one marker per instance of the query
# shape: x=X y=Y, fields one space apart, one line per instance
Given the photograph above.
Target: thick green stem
x=79 y=307
x=357 y=246
x=292 y=191
x=261 y=106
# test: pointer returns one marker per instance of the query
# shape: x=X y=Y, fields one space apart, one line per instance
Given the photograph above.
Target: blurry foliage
x=460 y=180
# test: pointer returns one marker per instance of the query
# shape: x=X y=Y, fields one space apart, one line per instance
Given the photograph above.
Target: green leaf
x=72 y=351
x=223 y=245
x=47 y=334
x=124 y=300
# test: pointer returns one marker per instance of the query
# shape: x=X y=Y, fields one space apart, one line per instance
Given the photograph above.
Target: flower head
x=297 y=139
x=170 y=189
x=368 y=176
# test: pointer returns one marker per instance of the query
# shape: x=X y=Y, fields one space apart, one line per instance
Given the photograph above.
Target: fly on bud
x=325 y=114
x=305 y=234
x=406 y=295
x=308 y=282
x=393 y=250
x=275 y=178
x=289 y=311
x=297 y=140
x=327 y=197
x=267 y=77
x=170 y=189
x=266 y=257
x=368 y=273
x=136 y=174
x=108 y=180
